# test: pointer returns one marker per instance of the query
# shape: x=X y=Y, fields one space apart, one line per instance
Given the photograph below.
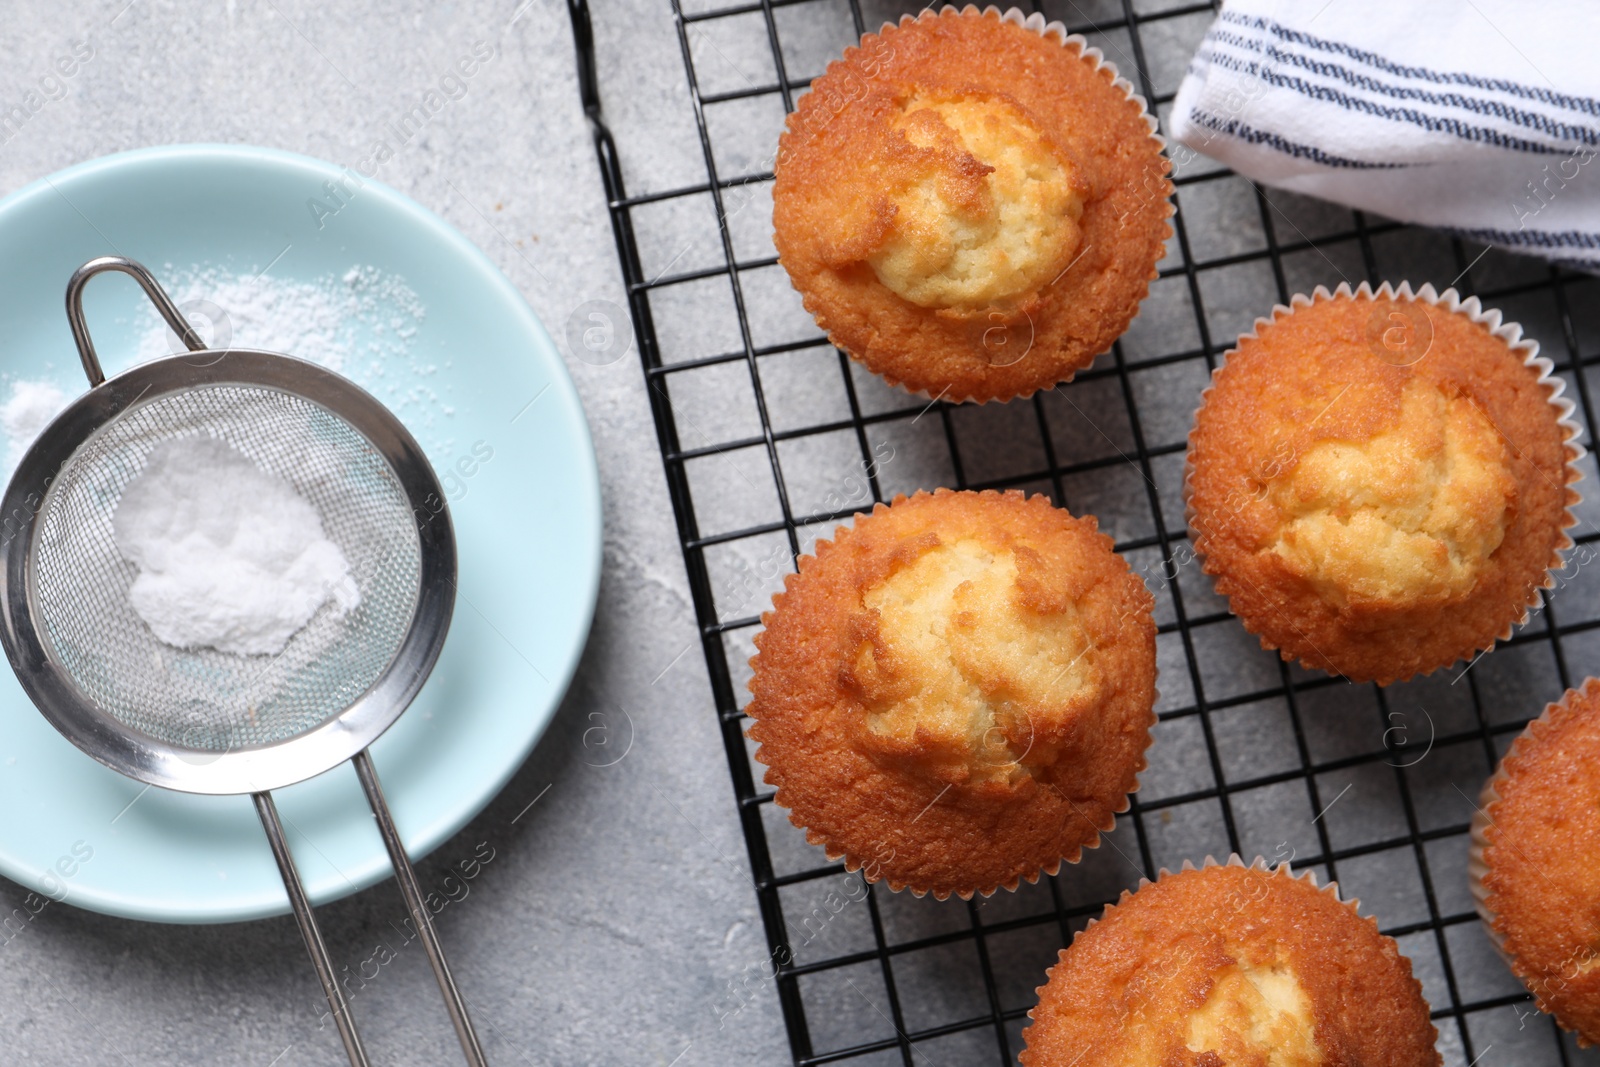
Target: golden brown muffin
x=1231 y=966
x=1536 y=859
x=1379 y=482
x=971 y=206
x=957 y=692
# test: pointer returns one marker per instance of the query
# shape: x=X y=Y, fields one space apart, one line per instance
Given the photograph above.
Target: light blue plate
x=527 y=524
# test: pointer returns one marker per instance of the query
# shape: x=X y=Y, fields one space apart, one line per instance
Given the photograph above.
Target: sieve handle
x=308 y=928
x=412 y=891
x=152 y=288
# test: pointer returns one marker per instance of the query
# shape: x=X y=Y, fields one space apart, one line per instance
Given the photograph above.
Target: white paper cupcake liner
x=1477 y=868
x=1048 y=28
x=1490 y=318
x=1281 y=870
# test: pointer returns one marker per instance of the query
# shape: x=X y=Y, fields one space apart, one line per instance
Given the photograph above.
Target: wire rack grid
x=770 y=437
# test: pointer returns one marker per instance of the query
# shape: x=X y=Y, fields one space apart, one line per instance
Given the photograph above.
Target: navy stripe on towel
x=1534 y=120
x=1536 y=238
x=1433 y=123
x=1585 y=104
x=1249 y=134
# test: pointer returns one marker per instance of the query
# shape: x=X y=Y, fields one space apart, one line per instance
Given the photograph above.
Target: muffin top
x=1231 y=966
x=1373 y=509
x=957 y=692
x=971 y=206
x=983 y=208
x=1542 y=852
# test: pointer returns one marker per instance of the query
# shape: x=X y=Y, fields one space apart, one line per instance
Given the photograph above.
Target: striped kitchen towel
x=1481 y=117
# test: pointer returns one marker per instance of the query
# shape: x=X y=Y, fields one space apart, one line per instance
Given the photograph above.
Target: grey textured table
x=617 y=920
x=615 y=910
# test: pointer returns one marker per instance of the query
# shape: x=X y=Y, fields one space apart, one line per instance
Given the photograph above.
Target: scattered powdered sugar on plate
x=230 y=557
x=362 y=323
x=25 y=414
x=279 y=315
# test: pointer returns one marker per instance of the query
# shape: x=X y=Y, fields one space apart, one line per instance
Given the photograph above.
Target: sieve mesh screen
x=200 y=698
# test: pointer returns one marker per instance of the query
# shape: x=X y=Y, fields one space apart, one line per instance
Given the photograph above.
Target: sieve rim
x=241 y=769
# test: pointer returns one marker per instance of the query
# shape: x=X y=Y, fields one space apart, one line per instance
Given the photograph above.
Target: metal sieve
x=199 y=720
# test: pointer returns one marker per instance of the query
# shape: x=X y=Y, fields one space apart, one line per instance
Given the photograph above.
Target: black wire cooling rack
x=769 y=437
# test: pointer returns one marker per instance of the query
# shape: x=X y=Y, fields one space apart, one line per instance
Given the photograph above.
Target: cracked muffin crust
x=1536 y=859
x=971 y=204
x=1376 y=512
x=957 y=692
x=1231 y=966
